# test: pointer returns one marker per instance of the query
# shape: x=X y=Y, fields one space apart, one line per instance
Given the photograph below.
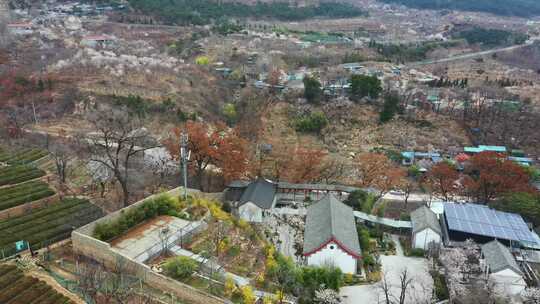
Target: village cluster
x=386 y=156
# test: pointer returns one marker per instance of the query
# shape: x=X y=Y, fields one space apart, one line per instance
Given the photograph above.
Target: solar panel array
x=481 y=220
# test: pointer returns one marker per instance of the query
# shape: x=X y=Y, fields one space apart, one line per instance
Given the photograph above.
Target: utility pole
x=184 y=158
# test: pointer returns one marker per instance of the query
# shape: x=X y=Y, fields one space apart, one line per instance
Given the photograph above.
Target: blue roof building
x=482 y=148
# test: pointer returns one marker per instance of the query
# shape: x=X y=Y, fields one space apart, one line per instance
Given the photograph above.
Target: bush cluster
x=151 y=208
x=313 y=122
x=181 y=267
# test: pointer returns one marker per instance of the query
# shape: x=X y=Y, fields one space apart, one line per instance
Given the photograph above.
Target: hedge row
x=11 y=175
x=16 y=288
x=23 y=193
x=47 y=225
x=23 y=156
x=151 y=208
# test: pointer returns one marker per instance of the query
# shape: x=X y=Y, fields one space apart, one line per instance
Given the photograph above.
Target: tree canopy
x=522 y=8
x=312 y=89
x=365 y=86
x=201 y=12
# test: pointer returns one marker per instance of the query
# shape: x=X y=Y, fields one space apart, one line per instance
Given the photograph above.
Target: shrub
x=417 y=252
x=226 y=207
x=229 y=111
x=181 y=268
x=248 y=297
x=202 y=60
x=390 y=108
x=229 y=287
x=313 y=122
x=161 y=205
x=439 y=284
x=363 y=235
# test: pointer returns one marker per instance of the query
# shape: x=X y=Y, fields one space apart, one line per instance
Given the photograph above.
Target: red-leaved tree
x=441 y=179
x=490 y=175
x=216 y=148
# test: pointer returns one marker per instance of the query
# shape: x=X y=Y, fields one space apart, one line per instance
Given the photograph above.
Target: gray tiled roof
x=329 y=218
x=498 y=257
x=259 y=192
x=423 y=218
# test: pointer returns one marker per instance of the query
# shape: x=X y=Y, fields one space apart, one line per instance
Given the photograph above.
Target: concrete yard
x=419 y=292
x=144 y=240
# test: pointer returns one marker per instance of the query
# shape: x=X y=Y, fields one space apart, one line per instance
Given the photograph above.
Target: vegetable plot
x=16 y=288
x=23 y=193
x=47 y=225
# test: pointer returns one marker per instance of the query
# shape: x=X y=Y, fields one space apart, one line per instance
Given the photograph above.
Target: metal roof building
x=479 y=222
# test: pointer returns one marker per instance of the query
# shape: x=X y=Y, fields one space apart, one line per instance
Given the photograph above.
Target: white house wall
x=250 y=212
x=335 y=256
x=423 y=238
x=508 y=282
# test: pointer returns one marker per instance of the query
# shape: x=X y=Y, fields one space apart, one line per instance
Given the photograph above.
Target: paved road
x=472 y=55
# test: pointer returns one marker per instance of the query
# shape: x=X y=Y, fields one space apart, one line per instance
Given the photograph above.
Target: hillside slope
x=520 y=8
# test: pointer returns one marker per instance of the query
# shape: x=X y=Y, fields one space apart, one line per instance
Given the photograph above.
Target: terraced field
x=20 y=194
x=17 y=288
x=23 y=156
x=15 y=174
x=47 y=225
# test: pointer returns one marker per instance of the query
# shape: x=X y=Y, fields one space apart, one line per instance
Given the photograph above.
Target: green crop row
x=23 y=156
x=16 y=288
x=23 y=193
x=35 y=231
x=11 y=175
x=47 y=225
x=55 y=208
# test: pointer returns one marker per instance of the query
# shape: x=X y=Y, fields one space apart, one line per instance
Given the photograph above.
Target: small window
x=332 y=247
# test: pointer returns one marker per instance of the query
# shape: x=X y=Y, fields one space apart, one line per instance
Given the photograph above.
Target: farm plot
x=23 y=156
x=17 y=288
x=11 y=175
x=20 y=194
x=47 y=225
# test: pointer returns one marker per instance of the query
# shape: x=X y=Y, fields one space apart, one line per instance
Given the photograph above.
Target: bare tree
x=385 y=287
x=405 y=281
x=119 y=136
x=61 y=150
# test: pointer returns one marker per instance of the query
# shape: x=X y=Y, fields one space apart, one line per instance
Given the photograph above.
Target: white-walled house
x=426 y=230
x=502 y=269
x=258 y=198
x=330 y=236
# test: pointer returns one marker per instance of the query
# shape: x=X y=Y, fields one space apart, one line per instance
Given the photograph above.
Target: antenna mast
x=184 y=158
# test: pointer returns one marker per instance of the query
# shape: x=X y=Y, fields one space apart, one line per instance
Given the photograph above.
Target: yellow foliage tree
x=230 y=287
x=268 y=300
x=202 y=60
x=280 y=296
x=248 y=296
